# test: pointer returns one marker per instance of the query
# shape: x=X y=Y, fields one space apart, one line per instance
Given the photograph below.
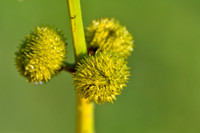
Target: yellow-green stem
x=77 y=29
x=84 y=114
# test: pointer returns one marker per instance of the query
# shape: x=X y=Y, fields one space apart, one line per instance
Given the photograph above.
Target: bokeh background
x=163 y=93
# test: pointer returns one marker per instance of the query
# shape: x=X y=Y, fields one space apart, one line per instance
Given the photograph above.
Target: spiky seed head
x=42 y=54
x=108 y=35
x=101 y=77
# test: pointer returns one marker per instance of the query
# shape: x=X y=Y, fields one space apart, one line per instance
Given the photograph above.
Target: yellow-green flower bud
x=101 y=77
x=108 y=35
x=42 y=54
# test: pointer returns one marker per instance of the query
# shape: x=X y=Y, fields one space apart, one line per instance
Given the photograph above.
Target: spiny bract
x=108 y=35
x=42 y=54
x=101 y=77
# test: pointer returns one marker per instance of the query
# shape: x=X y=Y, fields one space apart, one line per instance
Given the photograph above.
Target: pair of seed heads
x=98 y=77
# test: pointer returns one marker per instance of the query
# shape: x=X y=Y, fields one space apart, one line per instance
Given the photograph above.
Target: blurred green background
x=163 y=93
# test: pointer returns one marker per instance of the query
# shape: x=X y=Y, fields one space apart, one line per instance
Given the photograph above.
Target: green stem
x=84 y=109
x=77 y=29
x=69 y=67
